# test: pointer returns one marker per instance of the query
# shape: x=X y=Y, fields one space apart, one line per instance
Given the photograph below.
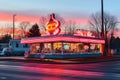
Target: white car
x=6 y=51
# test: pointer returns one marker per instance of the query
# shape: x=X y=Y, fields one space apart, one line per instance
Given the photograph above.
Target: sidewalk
x=70 y=61
x=11 y=58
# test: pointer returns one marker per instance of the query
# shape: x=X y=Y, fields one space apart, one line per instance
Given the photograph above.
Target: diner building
x=61 y=46
x=64 y=46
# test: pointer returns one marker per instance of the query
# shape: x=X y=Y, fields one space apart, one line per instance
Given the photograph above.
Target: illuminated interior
x=65 y=48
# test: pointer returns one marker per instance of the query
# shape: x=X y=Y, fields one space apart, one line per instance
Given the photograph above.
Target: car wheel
x=7 y=54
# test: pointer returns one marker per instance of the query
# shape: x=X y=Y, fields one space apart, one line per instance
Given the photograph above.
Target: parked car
x=15 y=48
x=6 y=52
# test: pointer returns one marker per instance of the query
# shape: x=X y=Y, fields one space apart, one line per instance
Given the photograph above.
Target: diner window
x=68 y=48
x=47 y=47
x=57 y=47
x=85 y=47
x=35 y=48
x=95 y=48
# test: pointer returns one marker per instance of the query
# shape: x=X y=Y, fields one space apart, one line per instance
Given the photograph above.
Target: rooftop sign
x=53 y=26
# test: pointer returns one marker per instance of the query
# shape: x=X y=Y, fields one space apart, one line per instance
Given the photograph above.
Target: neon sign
x=83 y=33
x=53 y=26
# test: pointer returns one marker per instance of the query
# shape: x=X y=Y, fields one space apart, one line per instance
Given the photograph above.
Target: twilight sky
x=77 y=10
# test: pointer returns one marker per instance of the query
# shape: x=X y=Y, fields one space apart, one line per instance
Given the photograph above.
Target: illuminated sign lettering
x=83 y=33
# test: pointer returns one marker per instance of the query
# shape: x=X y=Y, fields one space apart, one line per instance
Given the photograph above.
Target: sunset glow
x=4 y=31
x=4 y=17
x=18 y=18
x=77 y=21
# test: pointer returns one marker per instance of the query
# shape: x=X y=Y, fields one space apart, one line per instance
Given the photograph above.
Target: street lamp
x=13 y=25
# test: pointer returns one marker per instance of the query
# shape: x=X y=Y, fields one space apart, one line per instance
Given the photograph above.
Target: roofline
x=62 y=38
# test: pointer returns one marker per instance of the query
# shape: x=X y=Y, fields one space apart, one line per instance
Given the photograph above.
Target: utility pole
x=14 y=26
x=103 y=30
x=102 y=18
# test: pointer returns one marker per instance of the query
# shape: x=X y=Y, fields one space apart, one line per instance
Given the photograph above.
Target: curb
x=70 y=61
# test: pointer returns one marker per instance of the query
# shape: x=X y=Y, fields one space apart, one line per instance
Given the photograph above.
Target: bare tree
x=42 y=23
x=23 y=26
x=70 y=27
x=110 y=23
x=61 y=19
x=9 y=28
x=8 y=25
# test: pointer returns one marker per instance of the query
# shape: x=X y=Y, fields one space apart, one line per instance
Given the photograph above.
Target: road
x=45 y=71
